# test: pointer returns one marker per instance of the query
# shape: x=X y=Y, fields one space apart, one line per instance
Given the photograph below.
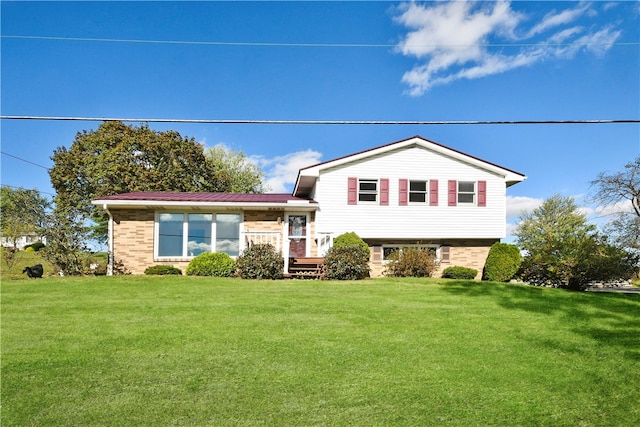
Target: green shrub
x=346 y=263
x=412 y=262
x=591 y=260
x=502 y=262
x=261 y=261
x=161 y=270
x=351 y=239
x=457 y=272
x=218 y=264
x=36 y=246
x=28 y=249
x=95 y=263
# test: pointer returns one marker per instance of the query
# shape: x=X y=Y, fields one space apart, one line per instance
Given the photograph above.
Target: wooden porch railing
x=263 y=237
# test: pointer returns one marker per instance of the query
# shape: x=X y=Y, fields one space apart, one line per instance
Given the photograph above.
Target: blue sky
x=391 y=61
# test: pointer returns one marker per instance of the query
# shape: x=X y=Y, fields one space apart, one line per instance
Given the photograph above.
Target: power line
x=277 y=44
x=323 y=122
x=24 y=160
x=18 y=188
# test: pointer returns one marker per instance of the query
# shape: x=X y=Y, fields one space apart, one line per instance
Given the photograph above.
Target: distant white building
x=22 y=241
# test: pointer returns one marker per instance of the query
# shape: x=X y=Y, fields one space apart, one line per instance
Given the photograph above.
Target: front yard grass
x=136 y=350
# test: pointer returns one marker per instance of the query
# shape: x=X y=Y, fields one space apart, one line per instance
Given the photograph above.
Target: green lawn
x=157 y=351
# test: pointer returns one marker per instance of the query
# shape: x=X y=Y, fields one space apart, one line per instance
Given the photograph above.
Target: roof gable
x=308 y=176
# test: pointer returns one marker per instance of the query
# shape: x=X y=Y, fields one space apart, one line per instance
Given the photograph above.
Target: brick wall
x=133 y=238
x=464 y=253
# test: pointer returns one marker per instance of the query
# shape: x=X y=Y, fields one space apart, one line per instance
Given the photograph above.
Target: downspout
x=109 y=242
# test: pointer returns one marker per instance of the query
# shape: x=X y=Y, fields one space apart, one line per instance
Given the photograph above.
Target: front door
x=297 y=230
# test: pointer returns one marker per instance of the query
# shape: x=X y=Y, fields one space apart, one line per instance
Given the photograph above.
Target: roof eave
x=169 y=204
x=314 y=170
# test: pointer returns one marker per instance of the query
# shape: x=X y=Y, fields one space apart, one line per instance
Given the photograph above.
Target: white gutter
x=182 y=204
x=109 y=241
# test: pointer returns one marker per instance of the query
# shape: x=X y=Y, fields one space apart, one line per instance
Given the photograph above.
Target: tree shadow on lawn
x=611 y=319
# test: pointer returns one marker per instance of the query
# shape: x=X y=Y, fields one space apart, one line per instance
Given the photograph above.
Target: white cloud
x=554 y=19
x=517 y=205
x=624 y=206
x=562 y=36
x=282 y=171
x=453 y=40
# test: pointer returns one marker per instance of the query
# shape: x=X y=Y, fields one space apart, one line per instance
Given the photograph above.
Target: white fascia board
x=143 y=204
x=509 y=175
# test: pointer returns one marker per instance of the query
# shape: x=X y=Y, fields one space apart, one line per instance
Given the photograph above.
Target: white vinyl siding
x=415 y=220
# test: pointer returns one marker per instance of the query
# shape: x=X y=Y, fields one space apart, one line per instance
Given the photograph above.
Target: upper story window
x=466 y=192
x=186 y=235
x=418 y=191
x=367 y=190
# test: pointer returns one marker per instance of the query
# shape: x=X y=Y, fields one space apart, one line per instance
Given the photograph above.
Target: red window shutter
x=482 y=193
x=404 y=192
x=453 y=193
x=433 y=192
x=384 y=192
x=352 y=197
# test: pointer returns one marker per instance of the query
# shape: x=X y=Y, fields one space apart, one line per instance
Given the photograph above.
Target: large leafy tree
x=22 y=212
x=563 y=249
x=610 y=189
x=235 y=168
x=119 y=158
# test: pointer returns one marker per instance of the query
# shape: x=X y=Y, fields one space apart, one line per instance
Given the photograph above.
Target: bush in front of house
x=162 y=270
x=36 y=246
x=346 y=263
x=218 y=264
x=412 y=262
x=95 y=263
x=458 y=272
x=351 y=239
x=502 y=262
x=261 y=261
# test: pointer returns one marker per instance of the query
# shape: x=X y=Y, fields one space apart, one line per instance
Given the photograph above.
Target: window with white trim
x=389 y=250
x=367 y=190
x=418 y=191
x=466 y=192
x=186 y=235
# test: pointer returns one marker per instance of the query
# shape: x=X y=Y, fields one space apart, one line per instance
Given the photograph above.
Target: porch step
x=306 y=268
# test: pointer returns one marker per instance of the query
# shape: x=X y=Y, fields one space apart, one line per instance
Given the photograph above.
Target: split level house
x=413 y=192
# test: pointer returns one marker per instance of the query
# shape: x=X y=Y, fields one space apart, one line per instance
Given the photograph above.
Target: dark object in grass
x=34 y=272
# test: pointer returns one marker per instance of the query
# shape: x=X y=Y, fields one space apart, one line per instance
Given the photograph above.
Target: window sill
x=172 y=259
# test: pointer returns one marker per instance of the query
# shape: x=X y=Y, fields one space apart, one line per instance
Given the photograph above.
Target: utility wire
x=275 y=44
x=324 y=122
x=18 y=188
x=24 y=160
